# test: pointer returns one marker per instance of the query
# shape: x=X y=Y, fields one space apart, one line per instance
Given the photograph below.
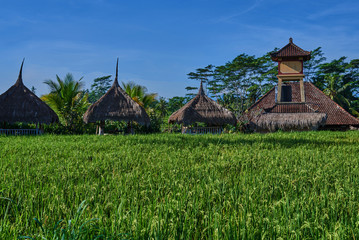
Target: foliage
x=176 y=103
x=241 y=82
x=139 y=94
x=67 y=99
x=238 y=83
x=204 y=75
x=33 y=90
x=300 y=185
x=312 y=66
x=99 y=87
x=74 y=229
x=339 y=79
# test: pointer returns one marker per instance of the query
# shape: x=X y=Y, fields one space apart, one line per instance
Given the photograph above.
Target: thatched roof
x=316 y=101
x=203 y=109
x=19 y=104
x=116 y=105
x=288 y=121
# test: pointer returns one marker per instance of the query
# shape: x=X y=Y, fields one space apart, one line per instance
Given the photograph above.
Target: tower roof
x=290 y=51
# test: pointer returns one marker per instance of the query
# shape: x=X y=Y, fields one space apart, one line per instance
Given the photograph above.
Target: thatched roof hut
x=116 y=105
x=288 y=121
x=316 y=102
x=19 y=104
x=203 y=109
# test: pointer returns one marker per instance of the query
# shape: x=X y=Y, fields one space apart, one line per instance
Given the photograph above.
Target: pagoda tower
x=295 y=104
x=290 y=60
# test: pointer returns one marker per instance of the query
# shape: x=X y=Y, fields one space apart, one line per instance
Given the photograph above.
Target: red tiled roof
x=316 y=101
x=292 y=108
x=290 y=50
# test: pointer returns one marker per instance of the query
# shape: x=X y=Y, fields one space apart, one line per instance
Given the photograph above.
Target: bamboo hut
x=202 y=109
x=116 y=105
x=19 y=104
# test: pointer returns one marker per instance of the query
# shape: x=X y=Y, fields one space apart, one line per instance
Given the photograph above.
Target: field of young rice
x=256 y=186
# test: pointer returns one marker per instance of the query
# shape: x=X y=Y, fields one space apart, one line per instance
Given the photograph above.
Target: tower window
x=286 y=95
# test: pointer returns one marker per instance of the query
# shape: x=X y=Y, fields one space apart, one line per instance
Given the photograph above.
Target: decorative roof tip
x=290 y=40
x=201 y=91
x=116 y=78
x=19 y=79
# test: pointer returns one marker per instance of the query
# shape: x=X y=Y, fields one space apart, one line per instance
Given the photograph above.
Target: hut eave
x=270 y=122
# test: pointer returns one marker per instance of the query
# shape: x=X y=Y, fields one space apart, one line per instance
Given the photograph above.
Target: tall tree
x=67 y=99
x=176 y=103
x=339 y=79
x=162 y=107
x=99 y=88
x=206 y=76
x=237 y=78
x=312 y=66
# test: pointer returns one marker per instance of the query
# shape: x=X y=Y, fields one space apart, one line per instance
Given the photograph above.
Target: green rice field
x=301 y=185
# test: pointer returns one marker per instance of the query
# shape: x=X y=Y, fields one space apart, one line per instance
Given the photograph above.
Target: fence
x=20 y=131
x=201 y=130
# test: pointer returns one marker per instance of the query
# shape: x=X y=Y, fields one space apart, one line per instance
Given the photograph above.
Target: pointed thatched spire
x=19 y=79
x=116 y=105
x=115 y=82
x=203 y=109
x=201 y=91
x=19 y=104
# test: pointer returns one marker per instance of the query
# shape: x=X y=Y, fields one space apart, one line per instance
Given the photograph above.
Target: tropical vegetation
x=67 y=99
x=239 y=83
x=300 y=185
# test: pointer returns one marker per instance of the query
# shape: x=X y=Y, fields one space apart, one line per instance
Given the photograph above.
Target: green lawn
x=289 y=185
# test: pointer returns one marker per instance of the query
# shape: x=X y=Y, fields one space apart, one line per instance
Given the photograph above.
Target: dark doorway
x=286 y=93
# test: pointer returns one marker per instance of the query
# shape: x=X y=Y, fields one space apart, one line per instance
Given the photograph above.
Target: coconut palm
x=139 y=94
x=335 y=88
x=67 y=99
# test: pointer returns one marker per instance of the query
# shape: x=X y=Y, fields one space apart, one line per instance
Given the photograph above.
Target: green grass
x=282 y=185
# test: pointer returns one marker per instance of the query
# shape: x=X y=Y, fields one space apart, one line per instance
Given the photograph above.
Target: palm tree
x=162 y=107
x=335 y=89
x=139 y=94
x=67 y=99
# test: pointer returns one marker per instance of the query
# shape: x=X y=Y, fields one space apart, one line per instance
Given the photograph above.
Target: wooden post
x=302 y=93
x=279 y=94
x=101 y=129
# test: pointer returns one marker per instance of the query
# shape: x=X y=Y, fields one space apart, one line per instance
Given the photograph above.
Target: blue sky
x=159 y=42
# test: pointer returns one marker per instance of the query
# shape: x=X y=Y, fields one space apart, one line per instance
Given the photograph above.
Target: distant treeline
x=241 y=82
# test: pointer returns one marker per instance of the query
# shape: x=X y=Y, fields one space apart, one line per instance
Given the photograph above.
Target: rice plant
x=168 y=186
